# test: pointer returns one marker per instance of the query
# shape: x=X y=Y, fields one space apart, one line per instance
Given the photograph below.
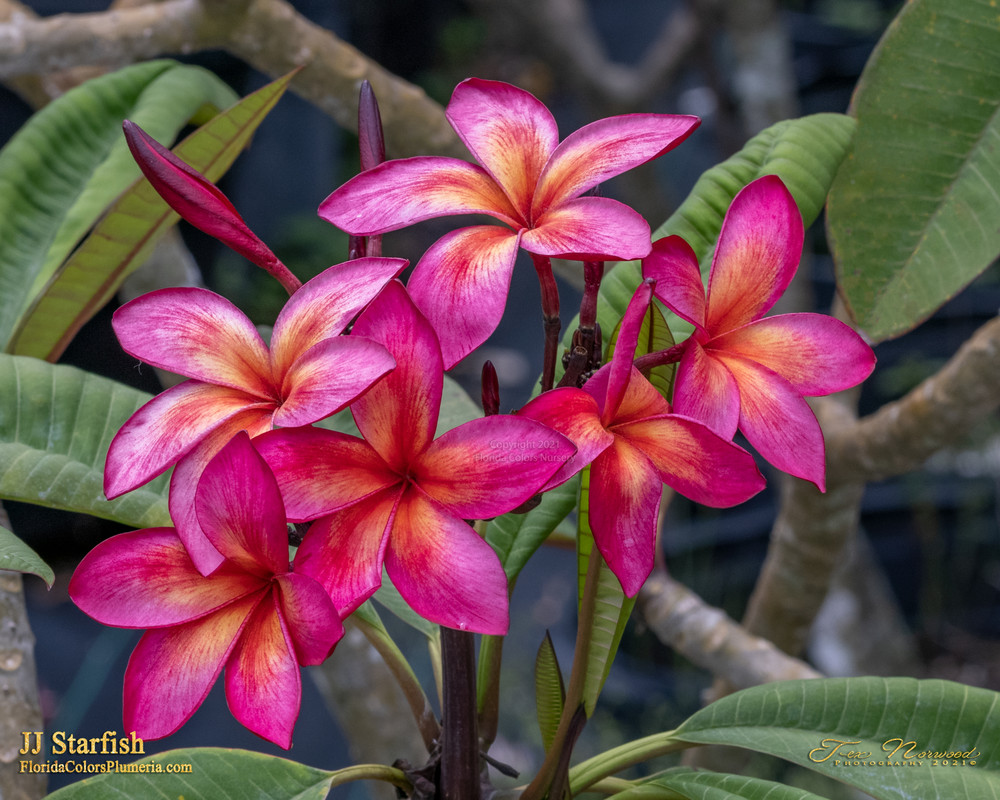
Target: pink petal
x=263 y=684
x=399 y=414
x=171 y=425
x=815 y=353
x=706 y=390
x=328 y=376
x=620 y=370
x=344 y=551
x=195 y=198
x=398 y=193
x=778 y=422
x=310 y=616
x=240 y=510
x=759 y=248
x=624 y=499
x=198 y=334
x=509 y=131
x=490 y=465
x=444 y=570
x=589 y=228
x=324 y=306
x=461 y=286
x=674 y=266
x=573 y=413
x=145 y=579
x=172 y=669
x=321 y=471
x=694 y=460
x=641 y=399
x=604 y=149
x=184 y=482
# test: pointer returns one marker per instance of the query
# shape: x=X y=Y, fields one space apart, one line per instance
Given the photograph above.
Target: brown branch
x=268 y=34
x=710 y=639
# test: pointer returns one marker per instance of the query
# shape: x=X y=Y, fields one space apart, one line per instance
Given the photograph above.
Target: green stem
x=574 y=691
x=371 y=772
x=589 y=772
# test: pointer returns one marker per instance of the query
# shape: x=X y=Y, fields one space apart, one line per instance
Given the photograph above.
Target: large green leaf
x=210 y=773
x=66 y=165
x=805 y=153
x=689 y=784
x=17 y=556
x=56 y=423
x=914 y=214
x=894 y=738
x=126 y=234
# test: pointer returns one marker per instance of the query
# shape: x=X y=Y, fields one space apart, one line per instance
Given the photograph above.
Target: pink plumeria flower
x=624 y=428
x=253 y=616
x=237 y=383
x=740 y=369
x=526 y=179
x=400 y=497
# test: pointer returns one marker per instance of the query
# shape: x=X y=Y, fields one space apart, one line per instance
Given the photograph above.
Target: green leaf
x=457 y=407
x=126 y=234
x=215 y=774
x=56 y=423
x=914 y=215
x=63 y=168
x=689 y=784
x=893 y=738
x=550 y=693
x=516 y=537
x=805 y=153
x=16 y=555
x=611 y=607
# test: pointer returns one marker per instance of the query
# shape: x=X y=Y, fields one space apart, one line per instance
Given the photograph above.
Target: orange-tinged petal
x=706 y=390
x=310 y=616
x=171 y=425
x=509 y=131
x=444 y=570
x=399 y=414
x=639 y=401
x=674 y=266
x=401 y=192
x=184 y=482
x=461 y=286
x=758 y=252
x=815 y=353
x=198 y=334
x=145 y=579
x=344 y=550
x=263 y=684
x=778 y=422
x=606 y=148
x=624 y=498
x=324 y=306
x=490 y=465
x=172 y=669
x=240 y=510
x=328 y=376
x=589 y=228
x=694 y=460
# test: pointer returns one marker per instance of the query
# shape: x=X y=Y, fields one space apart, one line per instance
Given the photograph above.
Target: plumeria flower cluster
x=220 y=590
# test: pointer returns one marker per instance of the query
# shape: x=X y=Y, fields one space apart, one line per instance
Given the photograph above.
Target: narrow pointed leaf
x=704 y=785
x=17 y=556
x=215 y=774
x=126 y=235
x=550 y=693
x=56 y=423
x=611 y=608
x=915 y=213
x=908 y=738
x=805 y=153
x=61 y=170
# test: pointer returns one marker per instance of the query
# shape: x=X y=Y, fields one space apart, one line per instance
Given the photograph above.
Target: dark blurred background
x=934 y=534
